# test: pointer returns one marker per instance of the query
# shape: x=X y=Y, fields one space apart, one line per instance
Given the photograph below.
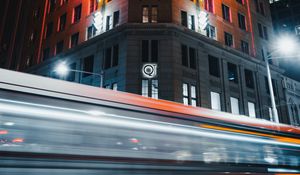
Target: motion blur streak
x=51 y=112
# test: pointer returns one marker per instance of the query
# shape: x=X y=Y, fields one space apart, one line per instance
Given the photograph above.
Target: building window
x=235 y=108
x=46 y=54
x=260 y=30
x=214 y=68
x=240 y=1
x=251 y=109
x=226 y=13
x=191 y=22
x=149 y=51
x=189 y=94
x=266 y=35
x=150 y=88
x=184 y=21
x=228 y=39
x=262 y=8
x=115 y=86
x=116 y=18
x=77 y=13
x=88 y=66
x=245 y=47
x=146 y=14
x=211 y=32
x=74 y=40
x=249 y=79
x=150 y=14
x=59 y=47
x=215 y=101
x=91 y=32
x=49 y=29
x=188 y=57
x=111 y=57
x=62 y=22
x=93 y=6
x=52 y=4
x=242 y=21
x=109 y=23
x=232 y=73
x=209 y=5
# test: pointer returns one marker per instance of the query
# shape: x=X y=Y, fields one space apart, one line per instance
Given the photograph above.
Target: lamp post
x=62 y=69
x=285 y=45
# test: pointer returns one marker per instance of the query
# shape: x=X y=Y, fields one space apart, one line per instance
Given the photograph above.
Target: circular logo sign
x=149 y=70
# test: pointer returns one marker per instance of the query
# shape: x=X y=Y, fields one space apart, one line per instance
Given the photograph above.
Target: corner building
x=208 y=53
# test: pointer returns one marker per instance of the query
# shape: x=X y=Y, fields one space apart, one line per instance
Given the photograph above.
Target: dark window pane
x=232 y=73
x=107 y=58
x=88 y=65
x=192 y=58
x=145 y=51
x=184 y=55
x=249 y=79
x=116 y=18
x=184 y=18
x=154 y=50
x=115 y=56
x=214 y=68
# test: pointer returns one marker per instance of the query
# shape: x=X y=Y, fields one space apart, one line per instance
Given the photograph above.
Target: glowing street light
x=285 y=45
x=62 y=69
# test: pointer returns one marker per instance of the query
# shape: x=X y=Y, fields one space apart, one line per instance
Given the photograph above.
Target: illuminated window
x=211 y=32
x=150 y=14
x=150 y=88
x=234 y=102
x=115 y=86
x=189 y=94
x=226 y=13
x=145 y=14
x=77 y=13
x=215 y=101
x=251 y=109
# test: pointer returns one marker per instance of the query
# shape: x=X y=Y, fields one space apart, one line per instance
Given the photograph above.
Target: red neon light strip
x=251 y=28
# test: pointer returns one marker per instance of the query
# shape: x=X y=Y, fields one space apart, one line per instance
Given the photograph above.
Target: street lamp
x=285 y=45
x=62 y=69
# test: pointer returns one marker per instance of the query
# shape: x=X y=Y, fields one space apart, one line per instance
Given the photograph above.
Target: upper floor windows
x=62 y=22
x=187 y=20
x=150 y=51
x=150 y=14
x=93 y=6
x=228 y=39
x=226 y=13
x=49 y=29
x=240 y=1
x=263 y=31
x=188 y=56
x=214 y=67
x=91 y=32
x=74 y=40
x=111 y=57
x=77 y=13
x=52 y=4
x=209 y=5
x=259 y=6
x=232 y=73
x=211 y=32
x=242 y=21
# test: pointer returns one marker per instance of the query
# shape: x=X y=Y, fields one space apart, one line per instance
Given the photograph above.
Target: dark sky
x=292 y=67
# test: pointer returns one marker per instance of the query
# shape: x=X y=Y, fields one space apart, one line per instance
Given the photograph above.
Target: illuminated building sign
x=98 y=20
x=203 y=20
x=149 y=70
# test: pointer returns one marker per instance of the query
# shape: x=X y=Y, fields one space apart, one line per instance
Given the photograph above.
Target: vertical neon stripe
x=251 y=28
